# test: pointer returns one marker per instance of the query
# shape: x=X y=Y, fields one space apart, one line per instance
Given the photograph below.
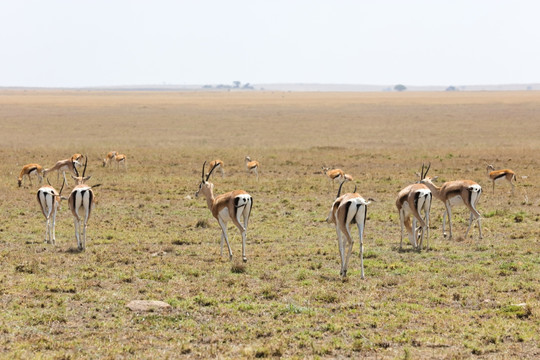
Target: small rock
x=148 y=305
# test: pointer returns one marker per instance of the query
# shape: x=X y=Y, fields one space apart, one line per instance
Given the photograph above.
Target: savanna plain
x=149 y=238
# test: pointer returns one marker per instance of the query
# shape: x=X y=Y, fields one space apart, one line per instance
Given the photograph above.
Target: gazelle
x=77 y=157
x=49 y=200
x=252 y=166
x=120 y=159
x=348 y=209
x=233 y=206
x=218 y=164
x=334 y=174
x=458 y=192
x=497 y=175
x=63 y=166
x=109 y=157
x=31 y=169
x=81 y=198
x=411 y=201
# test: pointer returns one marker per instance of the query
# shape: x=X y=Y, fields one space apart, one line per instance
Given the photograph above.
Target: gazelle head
x=205 y=186
x=79 y=180
x=490 y=167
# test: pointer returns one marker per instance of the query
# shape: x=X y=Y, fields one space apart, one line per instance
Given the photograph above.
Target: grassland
x=150 y=239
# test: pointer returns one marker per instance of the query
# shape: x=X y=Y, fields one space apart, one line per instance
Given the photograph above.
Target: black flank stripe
x=347 y=210
x=365 y=216
x=500 y=176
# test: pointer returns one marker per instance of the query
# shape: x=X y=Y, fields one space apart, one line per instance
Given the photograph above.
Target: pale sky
x=71 y=43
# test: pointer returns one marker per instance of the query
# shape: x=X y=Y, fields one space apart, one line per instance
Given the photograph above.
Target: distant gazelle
x=498 y=175
x=31 y=169
x=235 y=205
x=81 y=199
x=63 y=166
x=120 y=160
x=348 y=209
x=218 y=164
x=110 y=156
x=458 y=192
x=49 y=200
x=411 y=201
x=252 y=166
x=334 y=174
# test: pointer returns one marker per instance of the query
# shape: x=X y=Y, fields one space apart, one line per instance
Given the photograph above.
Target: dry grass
x=150 y=239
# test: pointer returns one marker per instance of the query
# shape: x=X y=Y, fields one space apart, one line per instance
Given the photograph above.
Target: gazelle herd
x=413 y=203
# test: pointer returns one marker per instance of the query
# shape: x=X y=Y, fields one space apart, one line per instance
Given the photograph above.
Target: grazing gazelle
x=233 y=206
x=348 y=209
x=63 y=166
x=218 y=164
x=497 y=175
x=81 y=198
x=411 y=201
x=334 y=174
x=458 y=192
x=109 y=157
x=49 y=201
x=31 y=169
x=120 y=159
x=252 y=166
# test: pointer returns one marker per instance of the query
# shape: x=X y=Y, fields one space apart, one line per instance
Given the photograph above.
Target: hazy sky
x=71 y=43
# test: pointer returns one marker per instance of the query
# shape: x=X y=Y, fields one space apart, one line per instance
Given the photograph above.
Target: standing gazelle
x=458 y=192
x=252 y=166
x=63 y=166
x=411 y=201
x=233 y=206
x=334 y=174
x=110 y=155
x=348 y=209
x=497 y=175
x=81 y=198
x=120 y=160
x=49 y=201
x=31 y=169
x=218 y=164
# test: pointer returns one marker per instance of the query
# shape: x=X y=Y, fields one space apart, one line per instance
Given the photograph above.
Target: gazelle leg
x=76 y=222
x=415 y=233
x=53 y=227
x=361 y=235
x=449 y=212
x=349 y=248
x=341 y=250
x=401 y=216
x=224 y=231
x=470 y=223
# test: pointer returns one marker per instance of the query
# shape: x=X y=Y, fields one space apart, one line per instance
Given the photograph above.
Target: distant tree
x=451 y=88
x=247 y=86
x=400 y=87
x=237 y=84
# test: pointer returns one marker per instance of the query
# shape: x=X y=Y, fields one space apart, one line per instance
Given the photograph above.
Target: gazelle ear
x=434 y=178
x=418 y=174
x=74 y=177
x=87 y=178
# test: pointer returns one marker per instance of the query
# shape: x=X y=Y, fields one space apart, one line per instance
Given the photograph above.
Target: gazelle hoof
x=244 y=259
